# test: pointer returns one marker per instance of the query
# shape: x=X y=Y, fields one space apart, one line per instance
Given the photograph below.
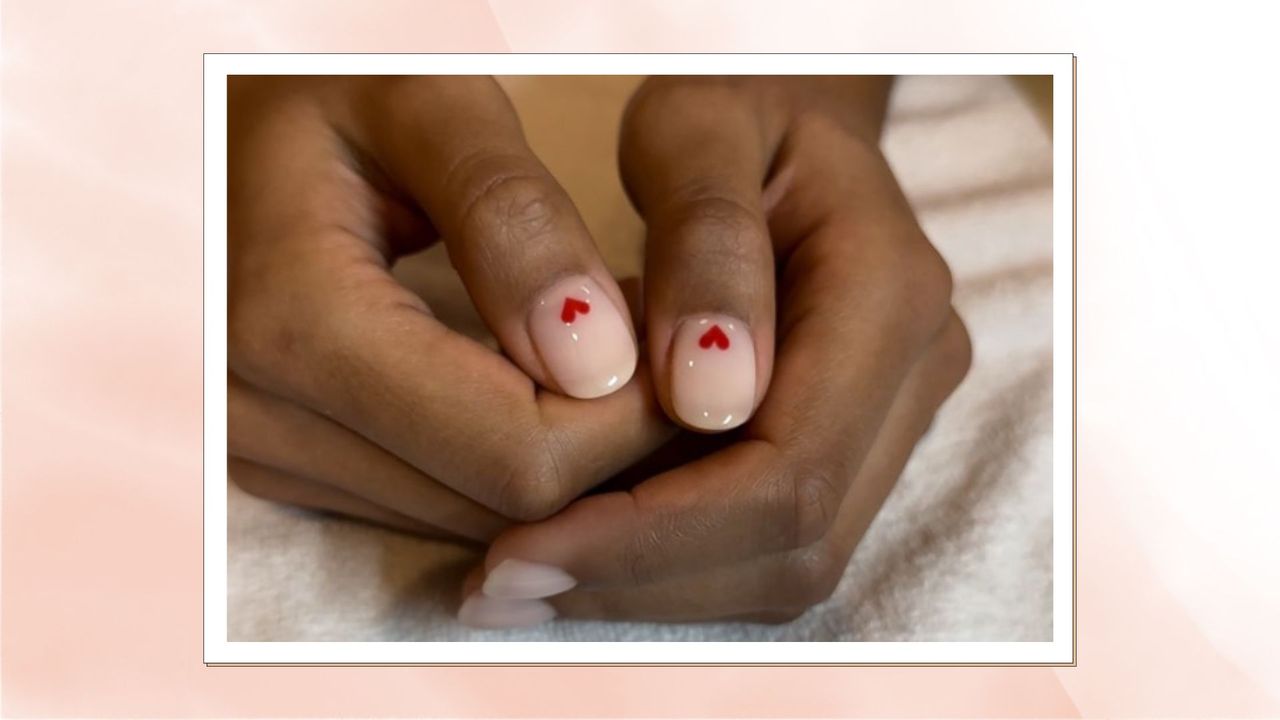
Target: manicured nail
x=713 y=372
x=518 y=579
x=479 y=611
x=582 y=338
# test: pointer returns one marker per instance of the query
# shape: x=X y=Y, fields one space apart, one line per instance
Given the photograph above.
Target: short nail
x=479 y=611
x=582 y=338
x=713 y=372
x=519 y=579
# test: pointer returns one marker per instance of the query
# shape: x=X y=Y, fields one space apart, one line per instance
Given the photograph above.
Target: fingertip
x=564 y=552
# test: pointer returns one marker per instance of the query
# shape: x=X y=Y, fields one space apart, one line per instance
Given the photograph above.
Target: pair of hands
x=773 y=222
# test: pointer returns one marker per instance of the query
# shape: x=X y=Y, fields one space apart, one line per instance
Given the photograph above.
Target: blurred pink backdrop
x=101 y=586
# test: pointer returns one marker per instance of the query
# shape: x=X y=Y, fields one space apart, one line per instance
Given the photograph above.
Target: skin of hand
x=344 y=392
x=773 y=216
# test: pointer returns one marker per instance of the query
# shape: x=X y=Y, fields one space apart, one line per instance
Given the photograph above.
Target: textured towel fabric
x=961 y=550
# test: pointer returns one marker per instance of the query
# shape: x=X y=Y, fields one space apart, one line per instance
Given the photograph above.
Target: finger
x=512 y=232
x=289 y=171
x=340 y=336
x=694 y=158
x=782 y=585
x=273 y=432
x=314 y=316
x=478 y=610
x=271 y=484
x=371 y=358
x=860 y=307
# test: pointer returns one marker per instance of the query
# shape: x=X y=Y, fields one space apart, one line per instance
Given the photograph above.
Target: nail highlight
x=582 y=338
x=479 y=611
x=520 y=579
x=713 y=372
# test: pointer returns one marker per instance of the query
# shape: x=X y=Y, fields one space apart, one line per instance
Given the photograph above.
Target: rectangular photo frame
x=219 y=651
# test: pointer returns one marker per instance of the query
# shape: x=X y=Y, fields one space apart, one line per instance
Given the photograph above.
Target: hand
x=741 y=180
x=345 y=393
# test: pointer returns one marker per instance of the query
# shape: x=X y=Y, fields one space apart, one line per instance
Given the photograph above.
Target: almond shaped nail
x=514 y=578
x=480 y=611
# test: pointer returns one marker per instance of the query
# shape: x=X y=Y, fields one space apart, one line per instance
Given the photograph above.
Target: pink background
x=100 y=612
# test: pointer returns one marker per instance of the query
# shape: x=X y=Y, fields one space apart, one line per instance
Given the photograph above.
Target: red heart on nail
x=714 y=336
x=573 y=306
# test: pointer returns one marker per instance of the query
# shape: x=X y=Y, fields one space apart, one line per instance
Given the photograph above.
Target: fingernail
x=514 y=579
x=713 y=372
x=479 y=611
x=582 y=338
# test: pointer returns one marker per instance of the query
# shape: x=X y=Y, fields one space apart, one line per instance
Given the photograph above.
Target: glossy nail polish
x=481 y=611
x=713 y=372
x=526 y=580
x=582 y=338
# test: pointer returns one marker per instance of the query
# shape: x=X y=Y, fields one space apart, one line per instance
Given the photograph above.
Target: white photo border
x=218 y=650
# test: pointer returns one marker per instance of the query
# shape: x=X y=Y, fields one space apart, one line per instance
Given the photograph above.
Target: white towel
x=962 y=548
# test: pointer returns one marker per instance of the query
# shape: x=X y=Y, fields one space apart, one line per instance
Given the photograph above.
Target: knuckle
x=820 y=134
x=956 y=348
x=665 y=110
x=274 y=313
x=707 y=204
x=805 y=503
x=814 y=506
x=644 y=551
x=921 y=284
x=710 y=225
x=260 y=344
x=670 y=94
x=934 y=280
x=314 y=345
x=810 y=576
x=532 y=486
x=393 y=91
x=513 y=205
x=417 y=97
x=818 y=128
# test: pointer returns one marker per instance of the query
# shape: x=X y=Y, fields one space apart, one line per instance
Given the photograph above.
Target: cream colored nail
x=713 y=372
x=526 y=580
x=582 y=338
x=480 y=611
